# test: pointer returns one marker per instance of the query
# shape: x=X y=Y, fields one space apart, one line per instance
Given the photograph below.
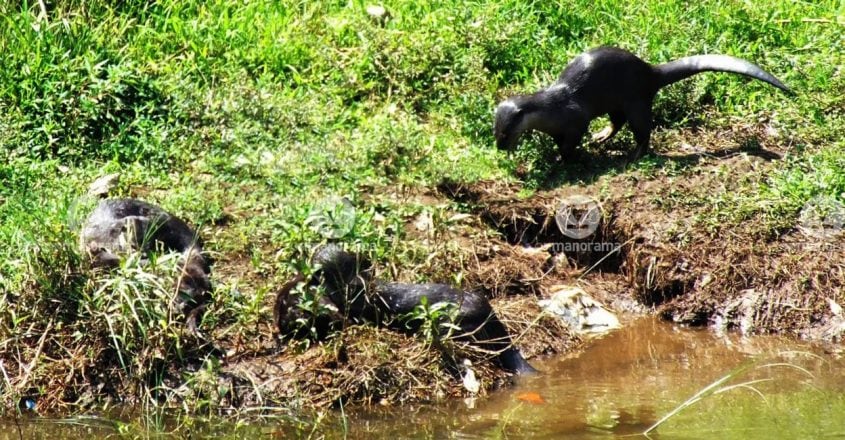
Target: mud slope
x=675 y=256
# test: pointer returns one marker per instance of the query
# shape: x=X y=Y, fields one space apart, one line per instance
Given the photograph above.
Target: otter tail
x=677 y=70
x=512 y=360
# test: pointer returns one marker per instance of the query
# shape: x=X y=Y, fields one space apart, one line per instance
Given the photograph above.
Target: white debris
x=377 y=11
x=471 y=383
x=582 y=312
x=425 y=222
x=103 y=185
x=835 y=308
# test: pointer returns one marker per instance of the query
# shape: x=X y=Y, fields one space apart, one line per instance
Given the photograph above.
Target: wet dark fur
x=605 y=81
x=354 y=296
x=120 y=225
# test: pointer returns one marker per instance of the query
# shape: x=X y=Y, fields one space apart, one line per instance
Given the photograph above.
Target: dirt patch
x=729 y=275
x=534 y=332
x=361 y=365
x=530 y=222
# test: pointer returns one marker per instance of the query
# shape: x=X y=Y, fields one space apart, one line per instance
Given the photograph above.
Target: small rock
x=378 y=12
x=581 y=311
x=741 y=312
x=832 y=330
x=835 y=308
x=470 y=382
x=705 y=280
x=424 y=222
x=103 y=185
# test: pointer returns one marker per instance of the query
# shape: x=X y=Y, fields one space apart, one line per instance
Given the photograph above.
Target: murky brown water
x=629 y=379
x=618 y=387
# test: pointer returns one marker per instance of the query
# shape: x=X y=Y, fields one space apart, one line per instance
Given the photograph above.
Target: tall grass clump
x=141 y=337
x=75 y=92
x=40 y=280
x=67 y=333
x=40 y=264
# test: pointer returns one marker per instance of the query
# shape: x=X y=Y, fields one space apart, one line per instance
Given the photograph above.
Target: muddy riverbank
x=616 y=386
x=650 y=254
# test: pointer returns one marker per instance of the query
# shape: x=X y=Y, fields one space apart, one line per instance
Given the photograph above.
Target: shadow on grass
x=595 y=161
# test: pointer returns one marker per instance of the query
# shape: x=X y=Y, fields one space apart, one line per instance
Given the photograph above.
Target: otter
x=352 y=295
x=117 y=226
x=606 y=81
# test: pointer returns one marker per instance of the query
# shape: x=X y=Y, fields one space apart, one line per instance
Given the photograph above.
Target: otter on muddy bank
x=606 y=81
x=351 y=294
x=120 y=225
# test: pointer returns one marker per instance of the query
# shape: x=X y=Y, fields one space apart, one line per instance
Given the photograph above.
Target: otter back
x=606 y=81
x=118 y=226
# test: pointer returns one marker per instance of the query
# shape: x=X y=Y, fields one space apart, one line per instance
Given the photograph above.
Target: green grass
x=242 y=116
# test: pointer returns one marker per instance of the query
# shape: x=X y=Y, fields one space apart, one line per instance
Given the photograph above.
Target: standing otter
x=611 y=81
x=352 y=294
x=120 y=225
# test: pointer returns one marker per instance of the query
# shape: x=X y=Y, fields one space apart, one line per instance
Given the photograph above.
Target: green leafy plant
x=435 y=323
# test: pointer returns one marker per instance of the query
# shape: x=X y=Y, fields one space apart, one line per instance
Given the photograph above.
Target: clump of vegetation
x=436 y=322
x=131 y=308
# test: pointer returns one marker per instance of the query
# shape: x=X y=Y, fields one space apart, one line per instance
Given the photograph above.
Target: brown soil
x=736 y=276
x=510 y=248
x=664 y=259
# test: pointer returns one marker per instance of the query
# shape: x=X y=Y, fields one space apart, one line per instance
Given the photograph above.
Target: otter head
x=101 y=257
x=338 y=268
x=345 y=276
x=194 y=283
x=509 y=123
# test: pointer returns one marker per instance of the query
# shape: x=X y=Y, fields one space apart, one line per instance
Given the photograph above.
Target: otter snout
x=507 y=125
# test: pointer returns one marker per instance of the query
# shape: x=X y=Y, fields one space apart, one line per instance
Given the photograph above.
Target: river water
x=618 y=387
